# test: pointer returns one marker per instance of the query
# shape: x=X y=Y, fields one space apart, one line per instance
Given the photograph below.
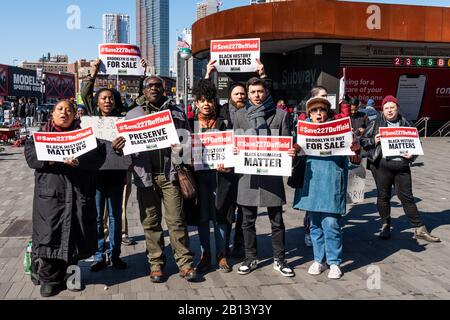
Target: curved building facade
x=381 y=48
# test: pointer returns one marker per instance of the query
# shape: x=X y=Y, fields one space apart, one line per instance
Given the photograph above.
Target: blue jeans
x=112 y=195
x=207 y=195
x=326 y=237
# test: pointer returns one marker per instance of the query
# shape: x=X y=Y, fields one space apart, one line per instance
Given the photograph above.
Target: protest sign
x=263 y=155
x=333 y=138
x=210 y=149
x=104 y=127
x=59 y=146
x=400 y=140
x=238 y=55
x=120 y=59
x=356 y=182
x=151 y=132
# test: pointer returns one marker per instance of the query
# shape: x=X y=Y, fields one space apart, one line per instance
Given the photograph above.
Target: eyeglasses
x=316 y=110
x=157 y=85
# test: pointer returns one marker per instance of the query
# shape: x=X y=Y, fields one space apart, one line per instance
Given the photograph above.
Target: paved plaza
x=400 y=268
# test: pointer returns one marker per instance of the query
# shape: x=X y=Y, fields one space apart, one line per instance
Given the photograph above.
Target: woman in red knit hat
x=388 y=171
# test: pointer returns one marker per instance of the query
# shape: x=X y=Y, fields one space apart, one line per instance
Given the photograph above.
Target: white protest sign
x=104 y=127
x=356 y=182
x=400 y=140
x=120 y=59
x=263 y=155
x=333 y=138
x=151 y=132
x=59 y=146
x=238 y=55
x=209 y=149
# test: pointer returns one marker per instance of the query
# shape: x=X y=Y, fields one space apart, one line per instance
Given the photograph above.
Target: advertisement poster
x=263 y=155
x=59 y=146
x=400 y=140
x=238 y=55
x=3 y=80
x=422 y=92
x=211 y=149
x=152 y=132
x=333 y=138
x=23 y=83
x=120 y=59
x=59 y=86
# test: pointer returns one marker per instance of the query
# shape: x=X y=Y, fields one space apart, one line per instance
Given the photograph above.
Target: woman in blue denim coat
x=323 y=197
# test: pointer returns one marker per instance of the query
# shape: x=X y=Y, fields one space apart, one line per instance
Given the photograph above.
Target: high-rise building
x=116 y=28
x=206 y=8
x=152 y=27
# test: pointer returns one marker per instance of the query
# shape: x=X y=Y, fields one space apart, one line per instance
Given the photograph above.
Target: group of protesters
x=70 y=197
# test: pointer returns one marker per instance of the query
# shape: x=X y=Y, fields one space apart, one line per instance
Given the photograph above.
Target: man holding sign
x=155 y=177
x=391 y=146
x=260 y=117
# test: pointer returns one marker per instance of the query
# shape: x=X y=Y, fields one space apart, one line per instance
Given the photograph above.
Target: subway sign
x=422 y=62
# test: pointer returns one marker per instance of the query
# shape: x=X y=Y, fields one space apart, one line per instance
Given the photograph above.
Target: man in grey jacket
x=156 y=182
x=261 y=117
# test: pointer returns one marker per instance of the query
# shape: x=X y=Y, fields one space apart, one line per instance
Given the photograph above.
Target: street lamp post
x=186 y=54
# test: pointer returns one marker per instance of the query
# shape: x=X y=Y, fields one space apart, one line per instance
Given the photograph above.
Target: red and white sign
x=59 y=146
x=151 y=132
x=263 y=155
x=401 y=140
x=332 y=138
x=120 y=59
x=237 y=55
x=210 y=149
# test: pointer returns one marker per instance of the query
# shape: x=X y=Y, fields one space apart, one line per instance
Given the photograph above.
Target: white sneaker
x=308 y=241
x=335 y=272
x=316 y=268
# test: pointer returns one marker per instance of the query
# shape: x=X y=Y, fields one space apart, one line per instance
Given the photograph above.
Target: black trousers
x=52 y=271
x=238 y=233
x=278 y=231
x=397 y=173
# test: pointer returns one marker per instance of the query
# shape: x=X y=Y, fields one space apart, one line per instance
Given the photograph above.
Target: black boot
x=385 y=232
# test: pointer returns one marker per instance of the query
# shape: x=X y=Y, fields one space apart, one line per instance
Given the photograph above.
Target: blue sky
x=31 y=28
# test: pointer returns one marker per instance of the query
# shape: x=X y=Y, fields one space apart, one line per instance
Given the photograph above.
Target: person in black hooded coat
x=64 y=215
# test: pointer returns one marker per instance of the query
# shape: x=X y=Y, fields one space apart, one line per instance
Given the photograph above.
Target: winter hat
x=371 y=103
x=234 y=85
x=390 y=99
x=315 y=100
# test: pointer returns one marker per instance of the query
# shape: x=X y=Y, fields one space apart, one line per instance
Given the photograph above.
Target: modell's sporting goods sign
x=59 y=146
x=332 y=138
x=399 y=141
x=237 y=55
x=147 y=133
x=263 y=155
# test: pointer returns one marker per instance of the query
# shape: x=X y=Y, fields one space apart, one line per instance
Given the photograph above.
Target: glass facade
x=116 y=28
x=153 y=33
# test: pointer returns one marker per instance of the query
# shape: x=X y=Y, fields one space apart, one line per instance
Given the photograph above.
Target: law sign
x=238 y=55
x=210 y=149
x=333 y=138
x=147 y=133
x=59 y=146
x=263 y=155
x=120 y=59
x=400 y=140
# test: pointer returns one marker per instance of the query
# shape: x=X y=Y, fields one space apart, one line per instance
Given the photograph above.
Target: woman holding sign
x=207 y=119
x=393 y=170
x=323 y=197
x=64 y=227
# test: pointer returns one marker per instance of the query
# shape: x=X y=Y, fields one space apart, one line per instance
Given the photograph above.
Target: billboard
x=3 y=80
x=23 y=83
x=59 y=86
x=422 y=92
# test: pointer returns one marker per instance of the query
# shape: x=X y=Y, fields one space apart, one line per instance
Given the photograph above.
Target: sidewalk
x=408 y=270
